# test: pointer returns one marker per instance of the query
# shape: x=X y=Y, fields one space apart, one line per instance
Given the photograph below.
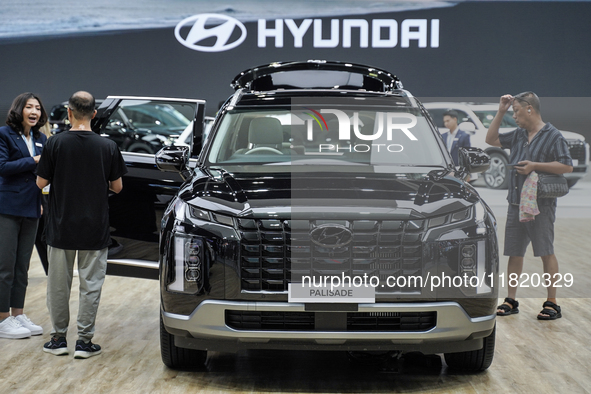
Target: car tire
x=497 y=176
x=140 y=148
x=176 y=357
x=475 y=360
x=571 y=182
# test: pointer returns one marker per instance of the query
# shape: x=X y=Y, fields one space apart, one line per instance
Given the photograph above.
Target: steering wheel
x=264 y=149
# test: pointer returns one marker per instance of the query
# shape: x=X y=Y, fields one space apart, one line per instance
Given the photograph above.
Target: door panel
x=135 y=213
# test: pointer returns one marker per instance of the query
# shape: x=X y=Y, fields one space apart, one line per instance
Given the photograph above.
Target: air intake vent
x=356 y=321
x=281 y=321
x=391 y=321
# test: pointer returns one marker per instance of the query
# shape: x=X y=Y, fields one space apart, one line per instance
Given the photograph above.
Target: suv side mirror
x=173 y=159
x=468 y=127
x=473 y=159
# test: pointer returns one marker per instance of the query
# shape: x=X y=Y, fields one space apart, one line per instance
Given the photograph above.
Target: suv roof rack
x=316 y=74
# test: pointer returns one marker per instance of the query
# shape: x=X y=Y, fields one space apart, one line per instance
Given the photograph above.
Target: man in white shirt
x=455 y=138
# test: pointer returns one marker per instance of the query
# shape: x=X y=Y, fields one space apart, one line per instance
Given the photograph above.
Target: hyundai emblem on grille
x=331 y=235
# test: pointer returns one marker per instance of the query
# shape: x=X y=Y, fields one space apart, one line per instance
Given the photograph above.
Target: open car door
x=141 y=126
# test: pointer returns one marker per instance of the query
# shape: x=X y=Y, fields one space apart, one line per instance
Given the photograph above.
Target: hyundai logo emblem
x=331 y=235
x=222 y=30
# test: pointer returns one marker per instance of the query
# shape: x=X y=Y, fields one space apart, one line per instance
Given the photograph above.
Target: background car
x=185 y=139
x=475 y=118
x=139 y=126
x=58 y=117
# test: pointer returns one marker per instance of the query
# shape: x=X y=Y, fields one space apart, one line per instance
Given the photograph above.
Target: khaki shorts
x=539 y=232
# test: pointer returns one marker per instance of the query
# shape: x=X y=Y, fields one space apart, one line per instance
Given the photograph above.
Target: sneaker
x=27 y=323
x=85 y=350
x=11 y=328
x=56 y=346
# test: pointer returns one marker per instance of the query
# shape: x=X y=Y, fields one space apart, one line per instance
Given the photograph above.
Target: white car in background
x=185 y=138
x=475 y=119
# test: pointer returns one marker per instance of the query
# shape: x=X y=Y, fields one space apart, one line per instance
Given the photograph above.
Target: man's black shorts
x=539 y=232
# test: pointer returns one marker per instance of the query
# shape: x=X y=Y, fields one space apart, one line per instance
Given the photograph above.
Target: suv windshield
x=301 y=135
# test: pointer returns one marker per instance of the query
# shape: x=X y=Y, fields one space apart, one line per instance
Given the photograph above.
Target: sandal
x=506 y=309
x=552 y=310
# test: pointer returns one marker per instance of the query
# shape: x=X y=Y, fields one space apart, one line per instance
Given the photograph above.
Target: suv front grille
x=356 y=321
x=272 y=252
x=577 y=150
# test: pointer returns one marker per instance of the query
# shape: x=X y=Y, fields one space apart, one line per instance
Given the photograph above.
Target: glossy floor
x=531 y=356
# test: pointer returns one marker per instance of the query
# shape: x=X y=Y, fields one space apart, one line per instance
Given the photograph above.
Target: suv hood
x=569 y=135
x=328 y=195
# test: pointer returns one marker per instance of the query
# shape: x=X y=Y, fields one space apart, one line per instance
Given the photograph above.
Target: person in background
x=454 y=138
x=21 y=145
x=46 y=129
x=535 y=146
x=40 y=243
x=81 y=167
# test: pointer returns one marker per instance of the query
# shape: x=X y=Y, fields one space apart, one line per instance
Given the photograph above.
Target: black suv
x=316 y=172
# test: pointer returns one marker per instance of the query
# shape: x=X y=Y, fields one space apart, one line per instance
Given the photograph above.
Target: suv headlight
x=202 y=214
x=188 y=258
x=188 y=266
x=461 y=242
x=472 y=266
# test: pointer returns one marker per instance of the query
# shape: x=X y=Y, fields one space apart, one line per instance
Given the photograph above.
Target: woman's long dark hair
x=15 y=114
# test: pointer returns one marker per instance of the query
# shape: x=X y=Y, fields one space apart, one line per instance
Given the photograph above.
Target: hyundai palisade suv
x=475 y=119
x=323 y=212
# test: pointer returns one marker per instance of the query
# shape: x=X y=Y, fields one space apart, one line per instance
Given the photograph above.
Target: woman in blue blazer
x=21 y=145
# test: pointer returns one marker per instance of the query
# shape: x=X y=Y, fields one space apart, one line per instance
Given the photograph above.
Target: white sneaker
x=27 y=323
x=12 y=329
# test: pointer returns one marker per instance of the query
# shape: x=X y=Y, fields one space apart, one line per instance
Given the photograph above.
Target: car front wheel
x=475 y=360
x=176 y=357
x=138 y=147
x=497 y=177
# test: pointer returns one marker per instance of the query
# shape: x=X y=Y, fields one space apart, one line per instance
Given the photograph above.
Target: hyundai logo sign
x=222 y=28
x=331 y=236
x=218 y=32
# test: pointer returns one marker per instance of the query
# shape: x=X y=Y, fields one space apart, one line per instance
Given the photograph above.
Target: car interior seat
x=296 y=139
x=265 y=135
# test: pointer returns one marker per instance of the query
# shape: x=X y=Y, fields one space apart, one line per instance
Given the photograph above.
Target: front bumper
x=579 y=151
x=579 y=172
x=206 y=329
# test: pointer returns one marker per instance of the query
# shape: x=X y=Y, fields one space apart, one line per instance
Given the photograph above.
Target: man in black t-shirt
x=81 y=168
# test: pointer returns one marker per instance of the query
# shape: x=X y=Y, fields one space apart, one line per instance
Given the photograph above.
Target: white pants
x=92 y=266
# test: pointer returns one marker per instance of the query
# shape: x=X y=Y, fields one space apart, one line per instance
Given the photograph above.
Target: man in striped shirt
x=535 y=146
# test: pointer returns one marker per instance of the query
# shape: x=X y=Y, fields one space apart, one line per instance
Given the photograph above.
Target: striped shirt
x=547 y=145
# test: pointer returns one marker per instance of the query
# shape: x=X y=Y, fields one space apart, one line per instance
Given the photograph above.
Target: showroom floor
x=531 y=356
